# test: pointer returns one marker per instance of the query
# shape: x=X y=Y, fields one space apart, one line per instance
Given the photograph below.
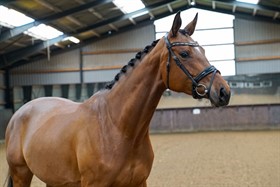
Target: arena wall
x=246 y=117
x=250 y=117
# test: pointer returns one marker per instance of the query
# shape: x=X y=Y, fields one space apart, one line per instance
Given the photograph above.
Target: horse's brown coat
x=104 y=141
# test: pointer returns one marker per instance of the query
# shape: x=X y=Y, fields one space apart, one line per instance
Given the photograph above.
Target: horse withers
x=104 y=141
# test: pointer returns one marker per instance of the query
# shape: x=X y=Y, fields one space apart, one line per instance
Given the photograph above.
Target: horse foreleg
x=144 y=184
x=21 y=176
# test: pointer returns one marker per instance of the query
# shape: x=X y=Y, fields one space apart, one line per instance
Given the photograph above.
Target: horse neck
x=134 y=98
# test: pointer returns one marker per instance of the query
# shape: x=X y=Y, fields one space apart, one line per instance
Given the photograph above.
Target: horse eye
x=184 y=54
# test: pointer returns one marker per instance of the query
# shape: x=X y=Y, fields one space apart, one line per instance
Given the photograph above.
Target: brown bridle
x=195 y=81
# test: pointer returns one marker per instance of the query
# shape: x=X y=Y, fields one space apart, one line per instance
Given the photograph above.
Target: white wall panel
x=84 y=95
x=37 y=91
x=68 y=60
x=45 y=79
x=134 y=39
x=56 y=92
x=263 y=56
x=92 y=61
x=258 y=50
x=72 y=92
x=18 y=97
x=100 y=75
x=247 y=30
x=29 y=74
x=258 y=67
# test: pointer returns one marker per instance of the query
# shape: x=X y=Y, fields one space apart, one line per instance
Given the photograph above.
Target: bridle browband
x=195 y=81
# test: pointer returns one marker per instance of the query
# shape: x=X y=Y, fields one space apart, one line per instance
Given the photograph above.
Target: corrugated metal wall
x=257 y=47
x=61 y=69
x=102 y=59
x=99 y=75
x=23 y=79
x=136 y=38
x=114 y=52
x=65 y=68
x=64 y=61
x=100 y=62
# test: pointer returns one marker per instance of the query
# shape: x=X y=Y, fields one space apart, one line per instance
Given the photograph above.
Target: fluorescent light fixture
x=128 y=6
x=72 y=39
x=12 y=18
x=43 y=32
x=249 y=1
x=140 y=14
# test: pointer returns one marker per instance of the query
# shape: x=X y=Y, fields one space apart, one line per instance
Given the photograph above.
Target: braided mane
x=131 y=63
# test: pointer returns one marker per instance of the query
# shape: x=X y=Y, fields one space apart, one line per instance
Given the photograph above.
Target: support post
x=81 y=64
x=8 y=91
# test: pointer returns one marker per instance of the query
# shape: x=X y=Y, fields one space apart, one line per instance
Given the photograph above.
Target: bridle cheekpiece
x=195 y=80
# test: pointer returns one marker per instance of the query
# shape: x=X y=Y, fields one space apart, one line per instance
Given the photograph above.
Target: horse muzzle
x=220 y=98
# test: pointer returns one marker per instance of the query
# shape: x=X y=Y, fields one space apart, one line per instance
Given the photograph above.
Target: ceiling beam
x=275 y=15
x=55 y=9
x=237 y=13
x=122 y=17
x=18 y=30
x=169 y=7
x=248 y=5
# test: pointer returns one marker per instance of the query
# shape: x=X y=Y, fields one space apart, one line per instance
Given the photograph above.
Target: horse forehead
x=199 y=50
x=186 y=38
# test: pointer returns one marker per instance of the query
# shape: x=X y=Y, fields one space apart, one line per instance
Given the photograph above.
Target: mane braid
x=131 y=63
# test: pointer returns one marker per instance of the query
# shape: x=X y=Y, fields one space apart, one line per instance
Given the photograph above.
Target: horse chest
x=134 y=171
x=130 y=166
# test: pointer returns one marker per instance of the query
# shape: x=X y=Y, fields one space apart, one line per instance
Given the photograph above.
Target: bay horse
x=104 y=141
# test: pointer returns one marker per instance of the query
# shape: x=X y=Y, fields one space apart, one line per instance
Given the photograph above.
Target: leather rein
x=195 y=80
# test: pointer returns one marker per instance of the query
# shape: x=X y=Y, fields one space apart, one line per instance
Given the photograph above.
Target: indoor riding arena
x=197 y=139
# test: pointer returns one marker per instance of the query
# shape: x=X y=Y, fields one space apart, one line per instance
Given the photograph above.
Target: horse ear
x=176 y=24
x=189 y=29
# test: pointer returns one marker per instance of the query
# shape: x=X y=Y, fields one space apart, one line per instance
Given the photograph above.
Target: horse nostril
x=223 y=92
x=224 y=96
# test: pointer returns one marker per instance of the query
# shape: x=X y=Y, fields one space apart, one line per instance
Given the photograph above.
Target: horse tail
x=9 y=181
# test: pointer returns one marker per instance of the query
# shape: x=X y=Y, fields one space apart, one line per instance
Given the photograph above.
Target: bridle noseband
x=195 y=81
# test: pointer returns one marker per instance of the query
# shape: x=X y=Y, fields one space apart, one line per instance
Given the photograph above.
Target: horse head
x=185 y=67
